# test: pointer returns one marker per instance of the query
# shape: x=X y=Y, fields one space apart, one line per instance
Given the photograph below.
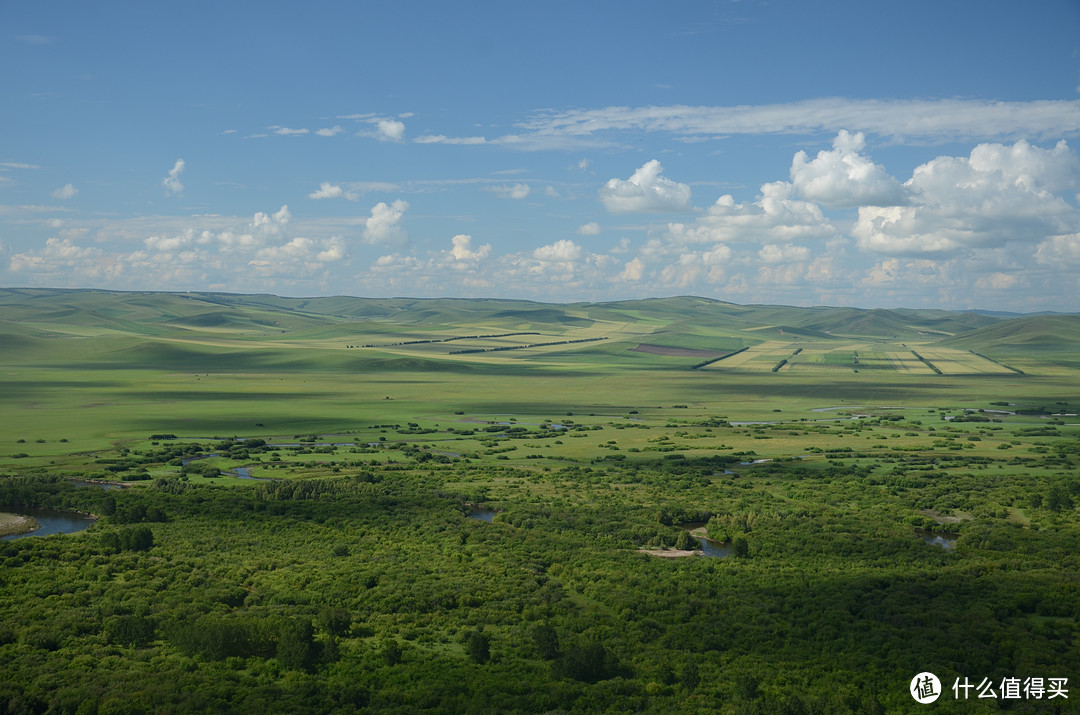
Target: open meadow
x=332 y=504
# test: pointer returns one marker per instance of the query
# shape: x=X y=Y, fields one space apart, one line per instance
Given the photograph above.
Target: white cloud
x=304 y=256
x=997 y=195
x=998 y=281
x=443 y=139
x=934 y=119
x=329 y=131
x=589 y=229
x=286 y=131
x=694 y=267
x=384 y=224
x=327 y=190
x=562 y=250
x=645 y=191
x=914 y=272
x=172 y=181
x=786 y=253
x=844 y=177
x=775 y=216
x=517 y=191
x=462 y=249
x=1059 y=251
x=60 y=256
x=66 y=191
x=391 y=130
x=633 y=270
x=273 y=221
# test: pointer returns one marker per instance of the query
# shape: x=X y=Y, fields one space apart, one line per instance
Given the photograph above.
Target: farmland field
x=296 y=529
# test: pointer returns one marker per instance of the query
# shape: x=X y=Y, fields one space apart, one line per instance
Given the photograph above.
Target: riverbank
x=12 y=524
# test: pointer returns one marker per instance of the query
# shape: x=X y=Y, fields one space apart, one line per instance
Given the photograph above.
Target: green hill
x=199 y=331
x=1036 y=338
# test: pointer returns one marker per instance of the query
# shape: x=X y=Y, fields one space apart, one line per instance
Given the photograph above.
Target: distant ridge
x=191 y=328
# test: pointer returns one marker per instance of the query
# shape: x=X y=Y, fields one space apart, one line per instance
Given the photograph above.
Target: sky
x=850 y=153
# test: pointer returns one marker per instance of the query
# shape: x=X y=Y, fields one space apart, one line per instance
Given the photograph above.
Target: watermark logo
x=925 y=688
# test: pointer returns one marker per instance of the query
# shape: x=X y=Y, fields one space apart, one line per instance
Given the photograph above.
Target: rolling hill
x=202 y=330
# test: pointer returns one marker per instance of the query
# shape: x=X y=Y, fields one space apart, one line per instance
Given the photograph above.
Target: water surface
x=52 y=521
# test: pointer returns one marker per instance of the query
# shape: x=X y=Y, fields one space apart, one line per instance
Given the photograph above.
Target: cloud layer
x=982 y=229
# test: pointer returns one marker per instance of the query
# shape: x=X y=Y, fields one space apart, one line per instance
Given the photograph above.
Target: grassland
x=826 y=438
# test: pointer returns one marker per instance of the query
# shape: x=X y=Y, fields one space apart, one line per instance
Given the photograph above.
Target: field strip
x=960 y=362
x=758 y=358
x=677 y=352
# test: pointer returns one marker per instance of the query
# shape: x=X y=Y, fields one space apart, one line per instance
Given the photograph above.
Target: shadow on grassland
x=870 y=390
x=22 y=389
x=252 y=425
x=210 y=396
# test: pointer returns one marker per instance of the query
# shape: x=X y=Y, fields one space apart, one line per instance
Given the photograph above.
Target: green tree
x=129 y=630
x=138 y=538
x=391 y=652
x=690 y=677
x=586 y=661
x=547 y=641
x=1057 y=499
x=296 y=646
x=335 y=621
x=478 y=646
x=685 y=542
x=739 y=548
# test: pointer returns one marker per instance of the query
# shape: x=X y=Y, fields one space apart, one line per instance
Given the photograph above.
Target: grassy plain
x=826 y=444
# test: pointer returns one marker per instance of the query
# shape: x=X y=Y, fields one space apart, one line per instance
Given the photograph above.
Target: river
x=52 y=521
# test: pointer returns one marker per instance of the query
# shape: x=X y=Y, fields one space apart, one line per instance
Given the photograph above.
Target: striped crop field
x=961 y=362
x=759 y=358
x=903 y=361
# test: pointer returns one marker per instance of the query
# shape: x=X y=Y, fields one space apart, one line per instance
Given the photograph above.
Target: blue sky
x=875 y=154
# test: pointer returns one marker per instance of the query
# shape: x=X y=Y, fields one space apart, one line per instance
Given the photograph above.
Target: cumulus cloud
x=462 y=249
x=1059 y=251
x=998 y=194
x=253 y=254
x=844 y=177
x=693 y=267
x=633 y=270
x=66 y=191
x=171 y=183
x=645 y=191
x=562 y=250
x=298 y=255
x=786 y=253
x=998 y=281
x=329 y=131
x=517 y=191
x=384 y=224
x=327 y=190
x=775 y=216
x=391 y=130
x=589 y=229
